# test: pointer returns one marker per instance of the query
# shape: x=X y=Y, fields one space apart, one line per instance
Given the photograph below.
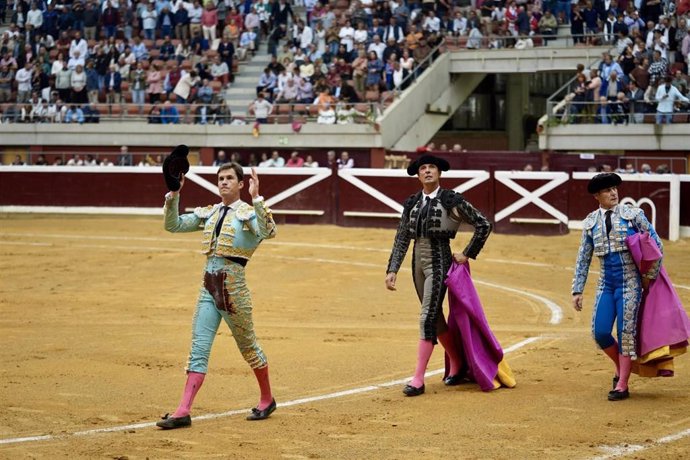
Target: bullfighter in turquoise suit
x=619 y=290
x=231 y=232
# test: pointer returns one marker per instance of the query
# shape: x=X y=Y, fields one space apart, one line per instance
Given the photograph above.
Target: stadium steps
x=242 y=91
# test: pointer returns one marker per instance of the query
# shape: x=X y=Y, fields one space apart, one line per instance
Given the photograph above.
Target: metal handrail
x=586 y=113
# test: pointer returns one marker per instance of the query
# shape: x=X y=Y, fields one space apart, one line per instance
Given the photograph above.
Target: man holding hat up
x=431 y=217
x=231 y=232
x=619 y=290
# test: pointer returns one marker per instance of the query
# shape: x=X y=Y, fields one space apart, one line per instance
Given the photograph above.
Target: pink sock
x=264 y=386
x=455 y=361
x=194 y=381
x=426 y=347
x=625 y=363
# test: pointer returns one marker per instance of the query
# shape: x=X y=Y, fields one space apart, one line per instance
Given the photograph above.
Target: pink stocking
x=612 y=352
x=426 y=347
x=625 y=367
x=455 y=360
x=194 y=381
x=264 y=386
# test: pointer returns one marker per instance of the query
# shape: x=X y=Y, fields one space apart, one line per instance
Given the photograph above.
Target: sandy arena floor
x=95 y=329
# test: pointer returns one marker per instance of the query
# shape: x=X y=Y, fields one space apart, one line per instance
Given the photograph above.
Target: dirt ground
x=95 y=328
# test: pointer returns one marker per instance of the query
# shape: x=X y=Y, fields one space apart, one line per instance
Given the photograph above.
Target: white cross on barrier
x=555 y=179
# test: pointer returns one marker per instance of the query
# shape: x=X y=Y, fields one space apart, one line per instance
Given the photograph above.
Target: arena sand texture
x=95 y=329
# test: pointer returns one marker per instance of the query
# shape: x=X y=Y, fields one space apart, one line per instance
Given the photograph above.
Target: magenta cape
x=662 y=319
x=470 y=331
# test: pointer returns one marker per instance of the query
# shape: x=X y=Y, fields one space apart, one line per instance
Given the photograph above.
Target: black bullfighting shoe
x=617 y=395
x=453 y=380
x=409 y=390
x=170 y=423
x=264 y=413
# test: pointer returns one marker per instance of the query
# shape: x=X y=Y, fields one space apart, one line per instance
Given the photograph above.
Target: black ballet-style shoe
x=453 y=380
x=617 y=395
x=170 y=423
x=409 y=390
x=263 y=413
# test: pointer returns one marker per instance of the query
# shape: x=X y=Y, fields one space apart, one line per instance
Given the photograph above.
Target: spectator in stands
x=548 y=26
x=154 y=115
x=125 y=158
x=276 y=160
x=220 y=158
x=220 y=71
x=289 y=92
x=262 y=108
x=658 y=68
x=23 y=79
x=74 y=115
x=247 y=44
x=169 y=114
x=154 y=83
x=78 y=86
x=137 y=84
x=374 y=68
x=346 y=113
x=113 y=86
x=209 y=20
x=310 y=163
x=305 y=92
x=666 y=96
x=635 y=99
x=612 y=86
x=6 y=79
x=267 y=82
x=646 y=168
x=603 y=112
x=345 y=162
x=326 y=115
x=183 y=89
x=295 y=161
x=92 y=82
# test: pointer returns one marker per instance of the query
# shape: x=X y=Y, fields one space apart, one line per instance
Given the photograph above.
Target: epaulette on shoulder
x=205 y=212
x=245 y=212
x=450 y=198
x=590 y=220
x=411 y=200
x=628 y=212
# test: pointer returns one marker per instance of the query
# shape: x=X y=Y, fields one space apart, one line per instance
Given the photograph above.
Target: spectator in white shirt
x=78 y=47
x=432 y=24
x=345 y=162
x=666 y=96
x=262 y=108
x=377 y=46
x=23 y=79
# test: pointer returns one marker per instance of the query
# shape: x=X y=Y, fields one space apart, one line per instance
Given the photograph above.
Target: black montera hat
x=602 y=181
x=174 y=166
x=442 y=164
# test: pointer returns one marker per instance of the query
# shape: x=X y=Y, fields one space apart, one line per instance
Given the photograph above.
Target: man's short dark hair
x=234 y=166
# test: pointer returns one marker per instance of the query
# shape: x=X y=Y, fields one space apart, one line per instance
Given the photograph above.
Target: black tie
x=219 y=224
x=607 y=221
x=422 y=215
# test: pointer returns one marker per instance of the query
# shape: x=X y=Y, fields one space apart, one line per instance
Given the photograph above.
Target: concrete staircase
x=242 y=91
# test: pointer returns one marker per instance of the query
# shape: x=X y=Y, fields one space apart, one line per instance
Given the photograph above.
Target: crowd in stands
x=126 y=158
x=647 y=72
x=62 y=62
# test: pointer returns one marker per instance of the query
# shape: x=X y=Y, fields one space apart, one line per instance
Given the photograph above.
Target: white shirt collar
x=233 y=205
x=602 y=211
x=433 y=194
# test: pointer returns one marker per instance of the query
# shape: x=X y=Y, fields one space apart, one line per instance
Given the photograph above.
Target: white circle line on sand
x=276 y=243
x=555 y=309
x=294 y=402
x=626 y=449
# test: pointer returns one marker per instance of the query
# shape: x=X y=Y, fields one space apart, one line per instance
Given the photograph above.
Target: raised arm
x=264 y=217
x=175 y=223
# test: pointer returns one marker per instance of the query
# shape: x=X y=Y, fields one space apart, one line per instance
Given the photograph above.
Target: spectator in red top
x=209 y=20
x=295 y=161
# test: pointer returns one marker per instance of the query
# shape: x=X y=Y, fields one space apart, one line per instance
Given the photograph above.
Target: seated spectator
x=154 y=115
x=345 y=114
x=267 y=82
x=345 y=162
x=310 y=163
x=289 y=92
x=305 y=93
x=326 y=115
x=74 y=115
x=276 y=160
x=91 y=114
x=169 y=114
x=167 y=49
x=295 y=161
x=265 y=161
x=247 y=44
x=220 y=71
x=222 y=114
